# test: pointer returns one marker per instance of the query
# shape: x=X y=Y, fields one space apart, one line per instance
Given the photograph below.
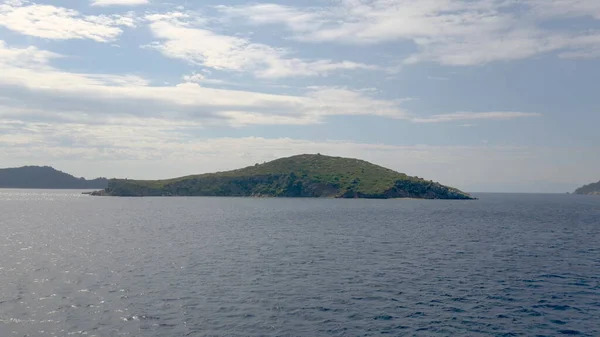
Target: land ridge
x=46 y=177
x=589 y=189
x=307 y=175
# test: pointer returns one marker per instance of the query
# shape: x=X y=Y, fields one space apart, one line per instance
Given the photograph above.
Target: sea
x=503 y=265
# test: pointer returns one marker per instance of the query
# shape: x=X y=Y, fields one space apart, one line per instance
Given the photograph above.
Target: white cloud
x=207 y=48
x=202 y=79
x=299 y=20
x=466 y=116
x=113 y=125
x=123 y=120
x=584 y=46
x=30 y=69
x=581 y=54
x=374 y=21
x=103 y=3
x=129 y=95
x=438 y=78
x=566 y=8
x=58 y=23
x=24 y=57
x=194 y=78
x=173 y=17
x=244 y=118
x=341 y=101
x=449 y=32
x=128 y=151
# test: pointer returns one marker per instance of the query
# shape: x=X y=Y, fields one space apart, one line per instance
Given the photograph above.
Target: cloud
x=298 y=20
x=24 y=57
x=129 y=150
x=103 y=3
x=584 y=46
x=194 y=78
x=514 y=45
x=467 y=116
x=202 y=79
x=58 y=23
x=449 y=32
x=29 y=80
x=438 y=78
x=581 y=54
x=341 y=101
x=375 y=21
x=173 y=17
x=119 y=125
x=244 y=118
x=179 y=40
x=566 y=8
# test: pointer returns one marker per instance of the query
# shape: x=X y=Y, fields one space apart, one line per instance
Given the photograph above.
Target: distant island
x=45 y=177
x=298 y=176
x=591 y=189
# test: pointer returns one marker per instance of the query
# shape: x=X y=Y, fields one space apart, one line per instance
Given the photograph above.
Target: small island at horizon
x=307 y=175
x=46 y=177
x=590 y=189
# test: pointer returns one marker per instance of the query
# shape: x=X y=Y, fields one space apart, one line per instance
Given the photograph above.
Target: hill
x=297 y=176
x=45 y=177
x=591 y=189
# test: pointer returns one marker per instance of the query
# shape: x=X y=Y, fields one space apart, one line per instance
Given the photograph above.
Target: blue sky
x=484 y=95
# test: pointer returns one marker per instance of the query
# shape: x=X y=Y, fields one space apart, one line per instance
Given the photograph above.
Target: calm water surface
x=505 y=265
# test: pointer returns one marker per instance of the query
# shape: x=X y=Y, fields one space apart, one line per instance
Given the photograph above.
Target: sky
x=483 y=95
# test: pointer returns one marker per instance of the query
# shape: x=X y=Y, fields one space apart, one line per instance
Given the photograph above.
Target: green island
x=590 y=189
x=307 y=175
x=45 y=177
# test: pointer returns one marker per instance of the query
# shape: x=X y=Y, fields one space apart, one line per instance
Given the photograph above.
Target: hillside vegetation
x=45 y=177
x=591 y=189
x=297 y=176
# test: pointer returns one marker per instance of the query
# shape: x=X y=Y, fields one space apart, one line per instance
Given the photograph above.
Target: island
x=308 y=175
x=45 y=177
x=590 y=189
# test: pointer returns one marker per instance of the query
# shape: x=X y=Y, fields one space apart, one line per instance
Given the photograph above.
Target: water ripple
x=506 y=265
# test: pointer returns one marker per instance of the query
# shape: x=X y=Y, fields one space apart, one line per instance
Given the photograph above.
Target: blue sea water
x=504 y=265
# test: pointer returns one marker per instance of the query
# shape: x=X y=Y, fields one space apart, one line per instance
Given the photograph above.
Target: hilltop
x=297 y=176
x=45 y=177
x=591 y=189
